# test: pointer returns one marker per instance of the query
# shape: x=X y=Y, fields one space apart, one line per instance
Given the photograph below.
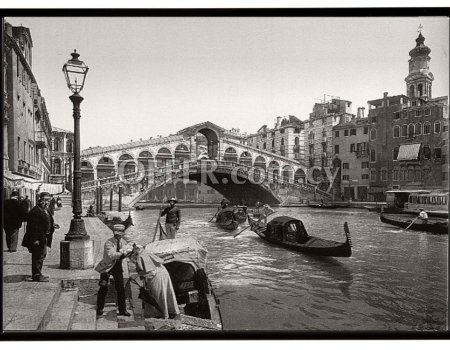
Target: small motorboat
x=290 y=233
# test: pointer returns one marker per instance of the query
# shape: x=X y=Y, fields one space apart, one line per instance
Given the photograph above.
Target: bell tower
x=419 y=79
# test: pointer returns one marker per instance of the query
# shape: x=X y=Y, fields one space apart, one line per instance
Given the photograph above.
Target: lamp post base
x=77 y=254
x=77 y=231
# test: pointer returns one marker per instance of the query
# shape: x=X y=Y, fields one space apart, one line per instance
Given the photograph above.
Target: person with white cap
x=38 y=235
x=173 y=218
x=14 y=216
x=116 y=249
x=157 y=282
x=423 y=215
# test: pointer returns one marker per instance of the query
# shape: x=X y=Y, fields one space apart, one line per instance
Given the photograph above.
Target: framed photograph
x=225 y=174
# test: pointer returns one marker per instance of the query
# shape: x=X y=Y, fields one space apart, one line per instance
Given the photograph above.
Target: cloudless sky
x=152 y=76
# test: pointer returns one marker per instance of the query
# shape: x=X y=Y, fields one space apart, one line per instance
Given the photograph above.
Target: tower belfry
x=419 y=79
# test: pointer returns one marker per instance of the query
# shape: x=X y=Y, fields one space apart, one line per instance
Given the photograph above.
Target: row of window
x=412 y=113
x=363 y=177
x=351 y=132
x=403 y=174
x=364 y=165
x=415 y=129
x=354 y=147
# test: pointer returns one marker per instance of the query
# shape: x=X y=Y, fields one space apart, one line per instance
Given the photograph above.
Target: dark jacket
x=40 y=227
x=14 y=214
x=173 y=215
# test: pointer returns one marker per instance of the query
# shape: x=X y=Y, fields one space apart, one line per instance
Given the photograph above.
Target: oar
x=257 y=222
x=412 y=223
x=218 y=209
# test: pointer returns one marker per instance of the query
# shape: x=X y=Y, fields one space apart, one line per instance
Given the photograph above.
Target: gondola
x=327 y=206
x=226 y=218
x=110 y=221
x=185 y=260
x=240 y=212
x=290 y=233
x=434 y=225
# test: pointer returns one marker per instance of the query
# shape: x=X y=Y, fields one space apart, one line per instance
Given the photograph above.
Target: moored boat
x=226 y=218
x=290 y=233
x=412 y=222
x=185 y=260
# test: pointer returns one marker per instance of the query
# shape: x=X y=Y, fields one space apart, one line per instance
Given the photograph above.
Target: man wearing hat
x=40 y=228
x=173 y=218
x=116 y=249
x=14 y=216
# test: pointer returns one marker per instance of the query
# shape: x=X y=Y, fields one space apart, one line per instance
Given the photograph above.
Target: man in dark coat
x=40 y=228
x=14 y=216
x=173 y=218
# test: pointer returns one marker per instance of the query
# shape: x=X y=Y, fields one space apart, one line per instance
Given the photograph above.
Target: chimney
x=278 y=123
x=385 y=94
x=360 y=112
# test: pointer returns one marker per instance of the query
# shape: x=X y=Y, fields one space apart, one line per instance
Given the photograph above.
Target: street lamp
x=75 y=72
x=77 y=249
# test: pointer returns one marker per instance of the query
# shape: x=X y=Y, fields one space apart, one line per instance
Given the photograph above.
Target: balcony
x=41 y=140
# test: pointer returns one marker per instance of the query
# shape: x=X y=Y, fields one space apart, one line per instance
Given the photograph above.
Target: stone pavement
x=26 y=304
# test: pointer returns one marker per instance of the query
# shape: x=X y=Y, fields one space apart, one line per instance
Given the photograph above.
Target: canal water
x=395 y=279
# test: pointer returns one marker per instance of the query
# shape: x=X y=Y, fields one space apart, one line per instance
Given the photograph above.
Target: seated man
x=157 y=282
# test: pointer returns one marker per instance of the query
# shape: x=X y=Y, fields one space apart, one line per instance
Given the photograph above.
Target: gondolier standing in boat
x=173 y=218
x=423 y=216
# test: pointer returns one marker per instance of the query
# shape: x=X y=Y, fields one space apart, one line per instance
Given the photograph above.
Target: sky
x=151 y=76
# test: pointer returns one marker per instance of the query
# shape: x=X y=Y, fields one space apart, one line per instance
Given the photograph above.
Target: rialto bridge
x=140 y=167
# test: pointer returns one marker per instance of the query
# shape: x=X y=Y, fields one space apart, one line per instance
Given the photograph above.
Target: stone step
x=37 y=300
x=108 y=320
x=62 y=314
x=84 y=318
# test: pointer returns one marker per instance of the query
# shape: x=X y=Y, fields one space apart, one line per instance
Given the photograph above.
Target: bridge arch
x=288 y=173
x=300 y=176
x=126 y=164
x=145 y=158
x=260 y=162
x=182 y=154
x=230 y=155
x=246 y=158
x=87 y=171
x=212 y=142
x=163 y=157
x=274 y=169
x=105 y=167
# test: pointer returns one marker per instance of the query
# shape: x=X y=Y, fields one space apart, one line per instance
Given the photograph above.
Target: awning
x=409 y=152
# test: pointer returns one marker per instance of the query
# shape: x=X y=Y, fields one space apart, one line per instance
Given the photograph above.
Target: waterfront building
x=350 y=148
x=27 y=127
x=286 y=138
x=62 y=157
x=408 y=134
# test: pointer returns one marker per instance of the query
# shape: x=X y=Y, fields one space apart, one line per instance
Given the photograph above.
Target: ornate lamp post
x=75 y=72
x=76 y=249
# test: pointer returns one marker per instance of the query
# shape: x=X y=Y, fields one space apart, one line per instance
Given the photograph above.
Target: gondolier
x=173 y=218
x=423 y=216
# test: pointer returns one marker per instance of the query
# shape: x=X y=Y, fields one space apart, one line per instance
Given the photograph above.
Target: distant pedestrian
x=26 y=204
x=423 y=215
x=224 y=203
x=115 y=251
x=173 y=218
x=58 y=202
x=15 y=214
x=51 y=206
x=40 y=228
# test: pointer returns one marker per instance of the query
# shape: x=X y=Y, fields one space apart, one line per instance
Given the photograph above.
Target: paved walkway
x=25 y=302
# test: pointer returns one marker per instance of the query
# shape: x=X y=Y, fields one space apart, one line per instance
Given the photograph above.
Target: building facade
x=350 y=148
x=27 y=127
x=62 y=157
x=408 y=134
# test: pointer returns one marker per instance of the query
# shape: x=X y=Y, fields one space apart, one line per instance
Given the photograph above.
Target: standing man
x=116 y=249
x=14 y=215
x=40 y=228
x=173 y=218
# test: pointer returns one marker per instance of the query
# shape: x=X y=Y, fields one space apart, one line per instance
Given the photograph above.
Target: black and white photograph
x=225 y=173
